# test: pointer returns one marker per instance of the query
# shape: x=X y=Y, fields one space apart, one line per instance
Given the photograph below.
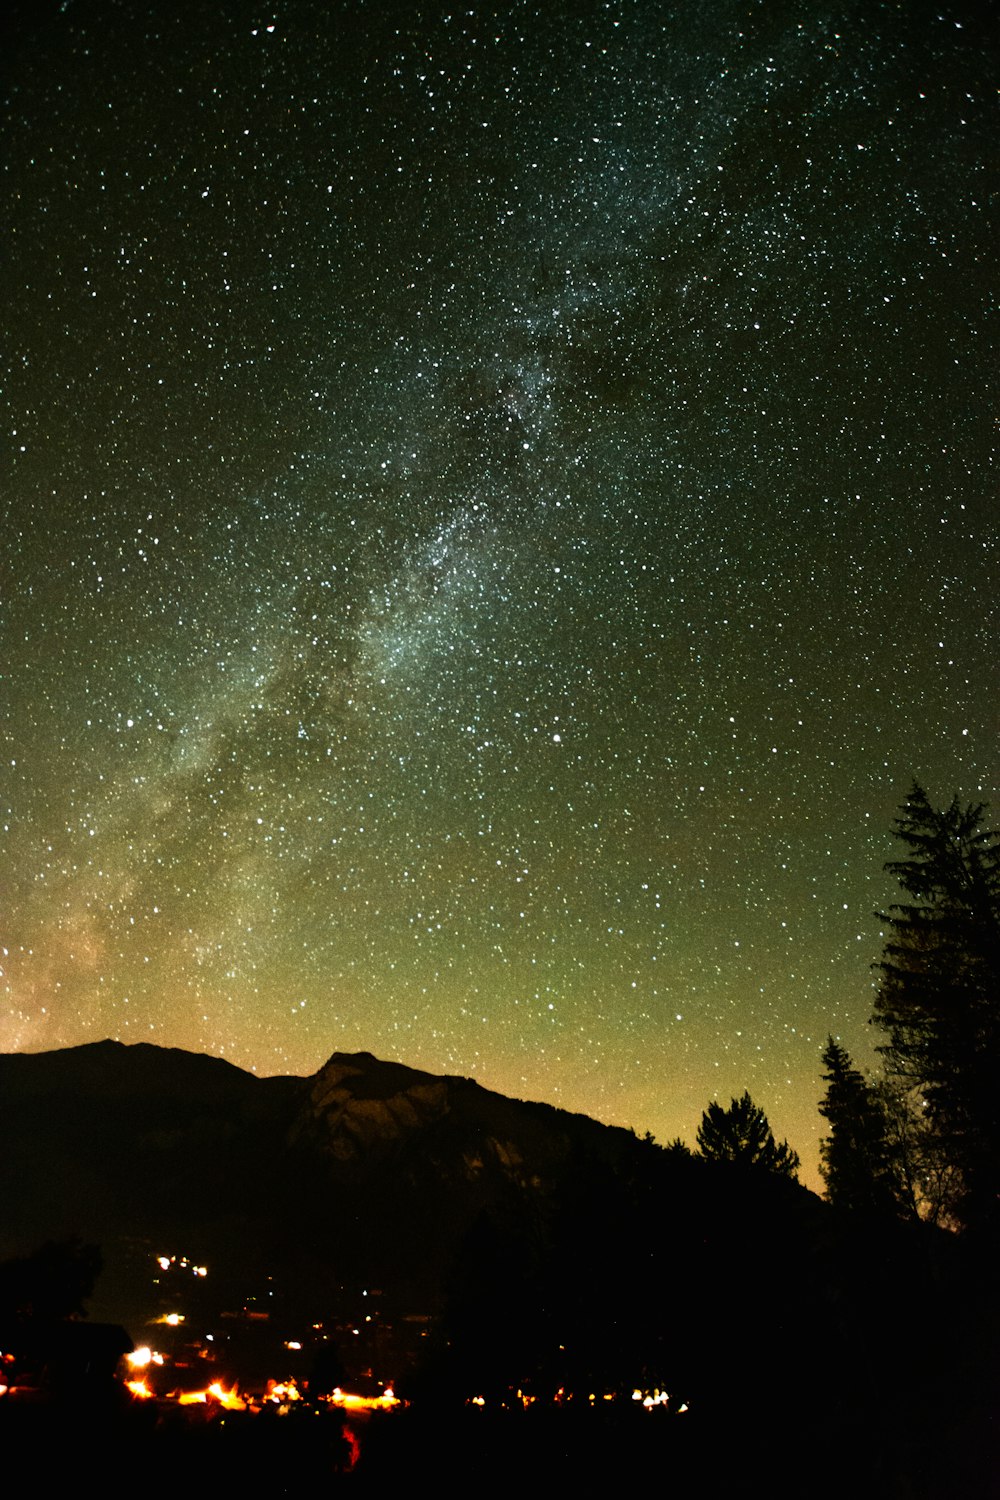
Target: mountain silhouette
x=368 y=1170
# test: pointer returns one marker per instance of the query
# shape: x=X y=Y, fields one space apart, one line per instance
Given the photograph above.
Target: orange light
x=215 y=1392
x=281 y=1391
x=347 y=1401
x=229 y=1399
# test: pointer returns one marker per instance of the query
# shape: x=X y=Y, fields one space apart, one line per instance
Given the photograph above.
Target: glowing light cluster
x=167 y=1262
x=142 y=1357
x=215 y=1393
x=654 y=1398
x=351 y=1402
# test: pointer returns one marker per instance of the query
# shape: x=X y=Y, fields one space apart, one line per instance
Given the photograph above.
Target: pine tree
x=939 y=998
x=860 y=1167
x=741 y=1134
x=926 y=1183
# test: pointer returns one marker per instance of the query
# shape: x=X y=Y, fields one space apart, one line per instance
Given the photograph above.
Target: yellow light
x=282 y=1391
x=347 y=1401
x=215 y=1392
x=226 y=1398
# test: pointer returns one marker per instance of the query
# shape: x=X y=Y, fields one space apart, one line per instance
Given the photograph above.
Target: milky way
x=499 y=507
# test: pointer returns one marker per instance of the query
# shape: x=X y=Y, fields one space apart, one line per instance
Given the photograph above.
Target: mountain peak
x=358 y=1103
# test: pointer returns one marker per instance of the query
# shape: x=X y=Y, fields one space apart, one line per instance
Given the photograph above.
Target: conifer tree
x=859 y=1166
x=939 y=998
x=741 y=1134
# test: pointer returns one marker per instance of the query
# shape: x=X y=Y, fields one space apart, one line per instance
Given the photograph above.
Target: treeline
x=713 y=1275
x=921 y=1140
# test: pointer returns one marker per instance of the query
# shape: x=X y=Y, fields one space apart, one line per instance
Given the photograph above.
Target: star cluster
x=500 y=505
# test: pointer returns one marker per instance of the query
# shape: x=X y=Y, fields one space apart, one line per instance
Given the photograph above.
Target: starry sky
x=499 y=506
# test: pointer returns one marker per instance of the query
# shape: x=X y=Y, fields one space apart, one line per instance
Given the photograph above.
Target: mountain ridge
x=370 y=1167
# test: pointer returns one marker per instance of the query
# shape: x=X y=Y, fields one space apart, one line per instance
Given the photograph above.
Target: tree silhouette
x=54 y=1281
x=927 y=1183
x=741 y=1134
x=860 y=1166
x=939 y=998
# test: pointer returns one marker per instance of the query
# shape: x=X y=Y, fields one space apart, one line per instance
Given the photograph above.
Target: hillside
x=370 y=1170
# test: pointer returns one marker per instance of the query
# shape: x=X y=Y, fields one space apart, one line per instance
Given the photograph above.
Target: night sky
x=499 y=505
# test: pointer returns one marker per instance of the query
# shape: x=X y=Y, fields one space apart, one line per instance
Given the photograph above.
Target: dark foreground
x=168 y=1453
